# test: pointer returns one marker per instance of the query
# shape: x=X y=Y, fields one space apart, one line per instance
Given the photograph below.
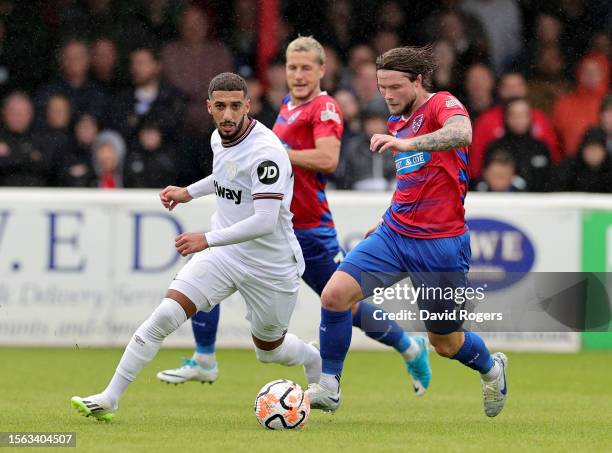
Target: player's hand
x=384 y=142
x=371 y=230
x=171 y=196
x=188 y=243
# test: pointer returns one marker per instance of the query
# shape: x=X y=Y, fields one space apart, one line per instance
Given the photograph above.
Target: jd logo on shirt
x=229 y=194
x=267 y=172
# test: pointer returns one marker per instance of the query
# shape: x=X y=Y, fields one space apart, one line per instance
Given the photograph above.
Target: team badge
x=230 y=170
x=294 y=117
x=417 y=123
x=330 y=113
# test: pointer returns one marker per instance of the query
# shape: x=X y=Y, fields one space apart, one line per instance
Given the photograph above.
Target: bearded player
x=310 y=126
x=423 y=233
x=251 y=249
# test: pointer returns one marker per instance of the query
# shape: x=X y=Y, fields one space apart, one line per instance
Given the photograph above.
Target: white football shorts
x=212 y=275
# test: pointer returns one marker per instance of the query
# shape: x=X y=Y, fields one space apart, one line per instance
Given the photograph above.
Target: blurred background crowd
x=111 y=93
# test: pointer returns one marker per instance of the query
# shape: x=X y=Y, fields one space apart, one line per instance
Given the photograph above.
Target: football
x=282 y=404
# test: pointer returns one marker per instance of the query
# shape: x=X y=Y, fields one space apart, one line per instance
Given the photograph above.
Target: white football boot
x=190 y=371
x=95 y=406
x=322 y=398
x=494 y=393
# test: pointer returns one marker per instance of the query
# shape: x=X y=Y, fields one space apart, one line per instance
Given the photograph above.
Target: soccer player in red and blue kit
x=310 y=125
x=423 y=233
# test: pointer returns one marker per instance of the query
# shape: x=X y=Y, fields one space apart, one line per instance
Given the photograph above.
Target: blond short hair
x=305 y=44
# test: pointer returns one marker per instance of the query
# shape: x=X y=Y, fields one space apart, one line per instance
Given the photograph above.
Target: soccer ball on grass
x=282 y=404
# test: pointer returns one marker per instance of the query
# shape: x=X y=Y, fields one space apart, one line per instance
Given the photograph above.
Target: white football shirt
x=256 y=166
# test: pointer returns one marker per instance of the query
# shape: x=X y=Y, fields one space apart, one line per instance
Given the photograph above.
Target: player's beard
x=408 y=107
x=232 y=136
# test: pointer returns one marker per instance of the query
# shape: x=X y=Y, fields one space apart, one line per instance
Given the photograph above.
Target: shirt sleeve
x=262 y=222
x=202 y=187
x=327 y=120
x=447 y=105
x=270 y=177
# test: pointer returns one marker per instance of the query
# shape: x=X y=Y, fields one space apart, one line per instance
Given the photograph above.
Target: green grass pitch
x=557 y=402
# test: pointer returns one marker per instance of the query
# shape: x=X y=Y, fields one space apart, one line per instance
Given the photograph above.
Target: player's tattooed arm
x=456 y=133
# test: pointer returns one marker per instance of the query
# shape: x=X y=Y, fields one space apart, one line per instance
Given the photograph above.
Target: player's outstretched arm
x=323 y=158
x=202 y=187
x=456 y=133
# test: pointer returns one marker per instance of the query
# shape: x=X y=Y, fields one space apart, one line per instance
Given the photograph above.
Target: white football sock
x=412 y=351
x=493 y=373
x=143 y=346
x=330 y=381
x=115 y=389
x=293 y=351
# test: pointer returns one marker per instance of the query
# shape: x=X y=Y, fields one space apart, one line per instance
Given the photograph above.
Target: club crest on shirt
x=293 y=117
x=230 y=170
x=330 y=113
x=417 y=123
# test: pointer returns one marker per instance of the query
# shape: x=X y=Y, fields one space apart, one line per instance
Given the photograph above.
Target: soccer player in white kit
x=251 y=249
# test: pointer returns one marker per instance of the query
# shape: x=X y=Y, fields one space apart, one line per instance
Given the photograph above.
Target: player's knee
x=272 y=356
x=444 y=350
x=334 y=299
x=166 y=318
x=444 y=345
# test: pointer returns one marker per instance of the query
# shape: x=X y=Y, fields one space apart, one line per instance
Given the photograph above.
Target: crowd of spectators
x=110 y=93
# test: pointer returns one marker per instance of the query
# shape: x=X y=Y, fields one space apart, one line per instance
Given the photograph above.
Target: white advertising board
x=87 y=266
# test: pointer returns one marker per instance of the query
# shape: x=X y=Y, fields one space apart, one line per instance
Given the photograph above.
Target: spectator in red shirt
x=490 y=125
x=578 y=110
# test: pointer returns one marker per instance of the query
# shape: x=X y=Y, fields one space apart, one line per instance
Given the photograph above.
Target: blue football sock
x=335 y=338
x=204 y=325
x=382 y=330
x=474 y=353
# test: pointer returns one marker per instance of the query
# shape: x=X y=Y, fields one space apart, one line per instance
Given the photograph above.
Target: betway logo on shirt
x=408 y=162
x=229 y=194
